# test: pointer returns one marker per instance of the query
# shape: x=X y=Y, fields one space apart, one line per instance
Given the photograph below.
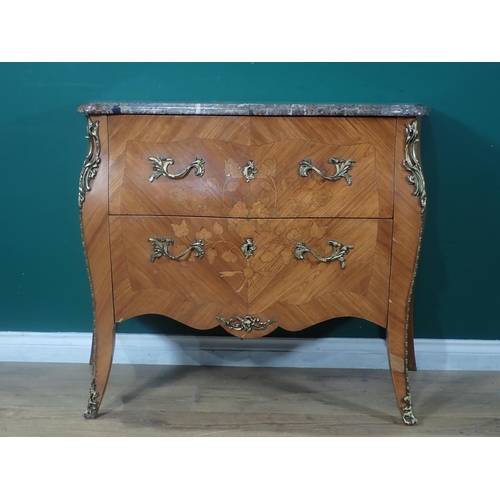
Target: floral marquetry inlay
x=236 y=199
x=269 y=246
x=269 y=186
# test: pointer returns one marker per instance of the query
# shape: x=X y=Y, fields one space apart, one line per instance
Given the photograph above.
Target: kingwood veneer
x=252 y=217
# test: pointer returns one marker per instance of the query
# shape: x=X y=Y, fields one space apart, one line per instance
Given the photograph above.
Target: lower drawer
x=290 y=273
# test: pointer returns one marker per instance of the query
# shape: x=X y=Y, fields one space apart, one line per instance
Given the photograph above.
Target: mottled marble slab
x=330 y=109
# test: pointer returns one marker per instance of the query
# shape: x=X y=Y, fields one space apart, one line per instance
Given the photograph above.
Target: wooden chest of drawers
x=252 y=217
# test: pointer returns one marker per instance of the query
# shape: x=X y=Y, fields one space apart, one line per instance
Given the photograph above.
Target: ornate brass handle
x=161 y=164
x=246 y=323
x=339 y=250
x=160 y=247
x=341 y=165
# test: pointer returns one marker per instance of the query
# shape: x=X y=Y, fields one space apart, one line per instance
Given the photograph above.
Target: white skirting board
x=152 y=349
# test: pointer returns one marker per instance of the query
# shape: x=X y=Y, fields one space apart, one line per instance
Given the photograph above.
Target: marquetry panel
x=271 y=279
x=135 y=138
x=282 y=192
x=160 y=286
x=277 y=190
x=368 y=140
x=214 y=193
x=306 y=292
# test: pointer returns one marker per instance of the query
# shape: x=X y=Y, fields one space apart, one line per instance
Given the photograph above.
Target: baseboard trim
x=152 y=349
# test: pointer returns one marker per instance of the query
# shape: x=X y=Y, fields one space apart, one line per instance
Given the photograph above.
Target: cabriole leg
x=103 y=348
x=93 y=203
x=410 y=202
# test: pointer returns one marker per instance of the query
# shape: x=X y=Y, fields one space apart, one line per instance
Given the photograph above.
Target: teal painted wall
x=43 y=278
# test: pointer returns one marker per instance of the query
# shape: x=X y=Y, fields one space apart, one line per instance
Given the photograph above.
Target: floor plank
x=48 y=399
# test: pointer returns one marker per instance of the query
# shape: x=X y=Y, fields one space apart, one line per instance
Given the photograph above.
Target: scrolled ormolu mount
x=407 y=411
x=247 y=323
x=91 y=163
x=341 y=165
x=92 y=405
x=250 y=170
x=161 y=164
x=248 y=248
x=339 y=250
x=412 y=164
x=160 y=247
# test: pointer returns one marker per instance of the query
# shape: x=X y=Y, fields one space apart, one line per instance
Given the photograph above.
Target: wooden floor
x=48 y=399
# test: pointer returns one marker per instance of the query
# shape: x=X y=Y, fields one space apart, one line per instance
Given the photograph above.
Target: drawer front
x=252 y=167
x=356 y=155
x=139 y=185
x=293 y=272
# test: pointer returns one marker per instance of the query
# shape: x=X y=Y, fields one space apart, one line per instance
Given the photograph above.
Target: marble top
x=248 y=109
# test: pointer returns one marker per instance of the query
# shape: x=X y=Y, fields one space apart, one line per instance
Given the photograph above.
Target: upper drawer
x=251 y=166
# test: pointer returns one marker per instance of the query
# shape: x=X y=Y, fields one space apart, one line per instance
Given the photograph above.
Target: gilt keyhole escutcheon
x=248 y=248
x=250 y=171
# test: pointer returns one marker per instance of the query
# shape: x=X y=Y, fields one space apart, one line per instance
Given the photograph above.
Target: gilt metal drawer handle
x=339 y=250
x=246 y=323
x=341 y=165
x=160 y=247
x=161 y=164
